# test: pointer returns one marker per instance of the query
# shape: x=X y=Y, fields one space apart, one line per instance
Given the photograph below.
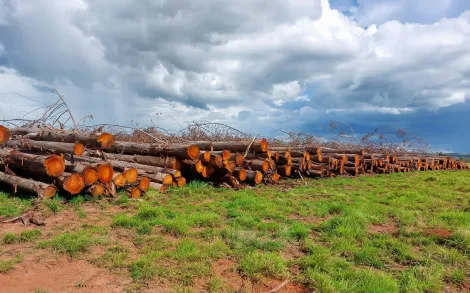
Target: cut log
x=158 y=187
x=144 y=184
x=134 y=192
x=130 y=174
x=240 y=174
x=119 y=180
x=92 y=140
x=42 y=190
x=183 y=151
x=90 y=175
x=122 y=166
x=72 y=183
x=257 y=165
x=254 y=177
x=96 y=190
x=284 y=170
x=105 y=173
x=216 y=161
x=48 y=146
x=162 y=161
x=237 y=158
x=258 y=145
x=180 y=182
x=5 y=134
x=53 y=165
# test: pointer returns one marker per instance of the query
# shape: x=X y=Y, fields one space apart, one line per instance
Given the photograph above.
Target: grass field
x=405 y=232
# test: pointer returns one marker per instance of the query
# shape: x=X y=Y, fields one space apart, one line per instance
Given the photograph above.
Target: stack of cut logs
x=44 y=161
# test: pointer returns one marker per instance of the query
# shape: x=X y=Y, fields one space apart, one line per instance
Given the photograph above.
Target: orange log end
x=50 y=191
x=91 y=176
x=264 y=145
x=230 y=166
x=130 y=175
x=4 y=134
x=181 y=182
x=74 y=184
x=97 y=190
x=106 y=140
x=193 y=151
x=206 y=157
x=265 y=166
x=55 y=165
x=275 y=177
x=239 y=159
x=78 y=149
x=242 y=174
x=105 y=173
x=199 y=166
x=119 y=180
x=225 y=155
x=135 y=193
x=167 y=179
x=258 y=177
x=144 y=184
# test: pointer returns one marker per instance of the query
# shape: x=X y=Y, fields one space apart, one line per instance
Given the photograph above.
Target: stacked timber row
x=45 y=161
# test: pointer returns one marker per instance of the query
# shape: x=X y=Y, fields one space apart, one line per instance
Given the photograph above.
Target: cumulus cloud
x=259 y=65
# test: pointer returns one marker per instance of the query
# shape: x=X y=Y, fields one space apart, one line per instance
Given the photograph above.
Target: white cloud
x=256 y=64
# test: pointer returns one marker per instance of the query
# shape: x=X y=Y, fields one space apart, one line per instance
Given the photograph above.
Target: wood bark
x=42 y=190
x=182 y=151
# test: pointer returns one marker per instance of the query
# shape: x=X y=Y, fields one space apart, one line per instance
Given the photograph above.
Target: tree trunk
x=162 y=162
x=48 y=146
x=42 y=190
x=52 y=165
x=92 y=140
x=259 y=145
x=182 y=151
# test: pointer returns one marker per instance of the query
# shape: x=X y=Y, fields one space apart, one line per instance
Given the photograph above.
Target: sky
x=262 y=66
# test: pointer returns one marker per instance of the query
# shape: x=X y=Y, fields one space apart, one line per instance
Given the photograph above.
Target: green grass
x=25 y=236
x=9 y=264
x=366 y=234
x=74 y=243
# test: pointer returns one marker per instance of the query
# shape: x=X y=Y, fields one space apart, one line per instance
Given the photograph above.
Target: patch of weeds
x=50 y=206
x=114 y=258
x=25 y=236
x=11 y=206
x=256 y=264
x=214 y=285
x=72 y=243
x=8 y=265
x=299 y=231
x=143 y=269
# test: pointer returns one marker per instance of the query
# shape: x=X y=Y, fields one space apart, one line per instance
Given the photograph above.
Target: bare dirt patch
x=389 y=227
x=60 y=275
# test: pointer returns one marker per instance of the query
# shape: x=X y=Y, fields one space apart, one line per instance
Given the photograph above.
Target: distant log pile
x=47 y=161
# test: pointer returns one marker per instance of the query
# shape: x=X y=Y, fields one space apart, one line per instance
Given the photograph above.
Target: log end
x=135 y=192
x=167 y=179
x=55 y=165
x=264 y=145
x=242 y=175
x=193 y=151
x=144 y=184
x=275 y=177
x=74 y=184
x=206 y=157
x=97 y=190
x=181 y=182
x=258 y=177
x=5 y=134
x=239 y=159
x=105 y=173
x=50 y=191
x=130 y=175
x=91 y=176
x=119 y=180
x=78 y=149
x=106 y=140
x=226 y=155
